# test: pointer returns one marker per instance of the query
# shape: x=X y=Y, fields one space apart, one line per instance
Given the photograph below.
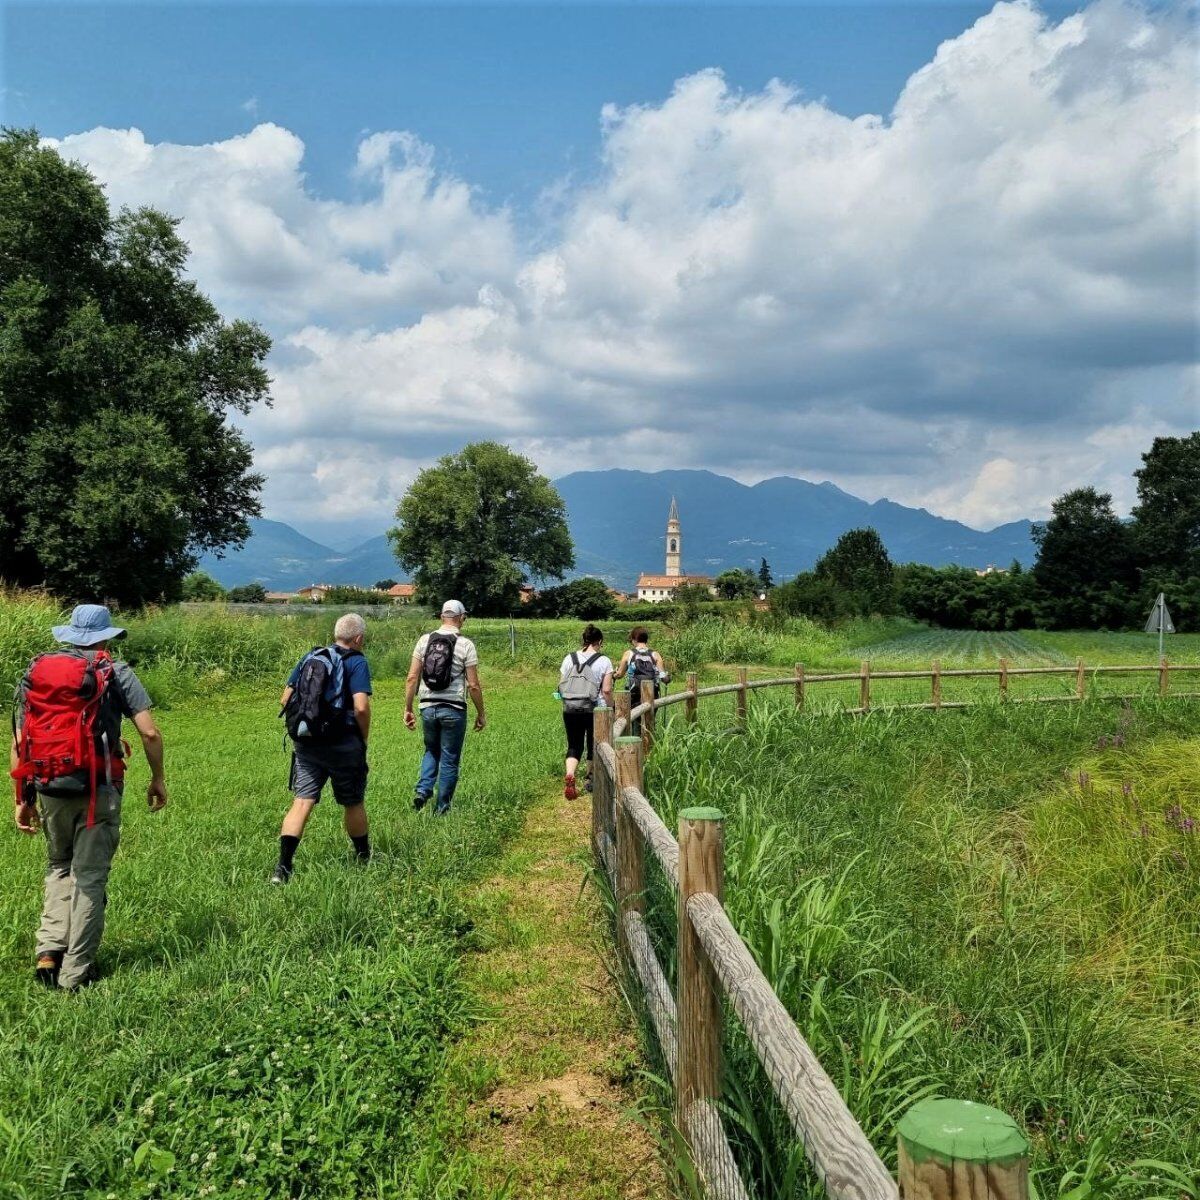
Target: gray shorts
x=343 y=764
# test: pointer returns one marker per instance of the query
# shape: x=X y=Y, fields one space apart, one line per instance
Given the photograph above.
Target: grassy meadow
x=1000 y=903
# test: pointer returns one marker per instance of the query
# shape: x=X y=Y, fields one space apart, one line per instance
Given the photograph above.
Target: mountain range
x=618 y=524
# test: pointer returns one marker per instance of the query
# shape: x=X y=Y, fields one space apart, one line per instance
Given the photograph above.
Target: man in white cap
x=444 y=670
x=72 y=787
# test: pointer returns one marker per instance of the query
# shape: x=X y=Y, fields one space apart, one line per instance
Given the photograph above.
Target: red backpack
x=64 y=694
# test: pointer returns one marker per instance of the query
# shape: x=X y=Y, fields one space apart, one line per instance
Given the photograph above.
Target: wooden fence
x=713 y=964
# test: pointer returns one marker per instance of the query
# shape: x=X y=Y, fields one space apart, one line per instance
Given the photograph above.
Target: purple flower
x=1118 y=740
x=1127 y=788
x=1084 y=779
x=1187 y=825
x=1101 y=742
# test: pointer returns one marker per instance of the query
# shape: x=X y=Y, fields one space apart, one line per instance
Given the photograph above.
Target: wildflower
x=1084 y=779
x=1127 y=788
x=312 y=1139
x=1187 y=824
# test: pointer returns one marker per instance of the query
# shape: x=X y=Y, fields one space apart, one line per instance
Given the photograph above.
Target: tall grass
x=1000 y=904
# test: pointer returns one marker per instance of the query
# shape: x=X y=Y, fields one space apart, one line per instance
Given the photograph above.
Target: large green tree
x=1085 y=564
x=736 y=584
x=1167 y=514
x=118 y=464
x=477 y=525
x=858 y=563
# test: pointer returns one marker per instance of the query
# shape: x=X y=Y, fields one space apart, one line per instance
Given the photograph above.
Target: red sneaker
x=569 y=788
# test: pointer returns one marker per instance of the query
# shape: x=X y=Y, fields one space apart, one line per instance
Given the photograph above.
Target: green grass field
x=965 y=901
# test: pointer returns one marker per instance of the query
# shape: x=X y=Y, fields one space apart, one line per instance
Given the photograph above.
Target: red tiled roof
x=402 y=589
x=672 y=581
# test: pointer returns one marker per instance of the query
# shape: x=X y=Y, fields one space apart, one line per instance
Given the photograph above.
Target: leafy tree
x=1167 y=514
x=819 y=597
x=1085 y=562
x=349 y=594
x=199 y=585
x=117 y=377
x=764 y=576
x=474 y=526
x=689 y=599
x=384 y=585
x=248 y=593
x=859 y=563
x=588 y=599
x=738 y=584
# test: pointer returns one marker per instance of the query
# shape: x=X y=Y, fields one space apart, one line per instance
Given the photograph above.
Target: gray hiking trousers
x=76 y=878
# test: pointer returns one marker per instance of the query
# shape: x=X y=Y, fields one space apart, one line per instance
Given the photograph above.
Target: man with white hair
x=327 y=706
x=443 y=672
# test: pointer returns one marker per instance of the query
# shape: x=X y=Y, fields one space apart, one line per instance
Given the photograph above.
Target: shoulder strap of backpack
x=590 y=661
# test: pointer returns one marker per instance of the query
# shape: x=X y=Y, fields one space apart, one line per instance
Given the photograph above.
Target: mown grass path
x=546 y=1087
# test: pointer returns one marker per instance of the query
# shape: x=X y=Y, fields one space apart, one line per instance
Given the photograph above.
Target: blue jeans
x=445 y=728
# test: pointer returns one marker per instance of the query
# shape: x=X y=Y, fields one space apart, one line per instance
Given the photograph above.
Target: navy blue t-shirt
x=358 y=676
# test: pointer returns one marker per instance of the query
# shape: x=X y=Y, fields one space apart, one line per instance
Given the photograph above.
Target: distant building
x=402 y=593
x=315 y=592
x=657 y=588
x=991 y=569
x=281 y=597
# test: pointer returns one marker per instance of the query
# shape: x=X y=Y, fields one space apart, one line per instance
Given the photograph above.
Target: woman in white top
x=592 y=660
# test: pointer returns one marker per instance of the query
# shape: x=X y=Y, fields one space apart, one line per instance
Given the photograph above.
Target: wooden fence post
x=864 y=686
x=602 y=723
x=741 y=698
x=689 y=705
x=647 y=697
x=698 y=1003
x=799 y=687
x=1004 y=679
x=631 y=858
x=1080 y=679
x=1162 y=675
x=622 y=702
x=936 y=678
x=952 y=1149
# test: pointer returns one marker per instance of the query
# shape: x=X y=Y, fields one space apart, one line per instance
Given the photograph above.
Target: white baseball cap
x=453 y=608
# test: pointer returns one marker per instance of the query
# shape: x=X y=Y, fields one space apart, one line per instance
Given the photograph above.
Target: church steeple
x=674 y=540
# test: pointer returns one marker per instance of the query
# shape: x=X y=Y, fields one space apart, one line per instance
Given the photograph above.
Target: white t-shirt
x=465 y=655
x=601 y=667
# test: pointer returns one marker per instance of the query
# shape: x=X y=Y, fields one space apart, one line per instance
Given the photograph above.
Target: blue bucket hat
x=90 y=623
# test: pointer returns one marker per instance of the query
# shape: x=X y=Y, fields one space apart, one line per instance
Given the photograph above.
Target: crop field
x=999 y=903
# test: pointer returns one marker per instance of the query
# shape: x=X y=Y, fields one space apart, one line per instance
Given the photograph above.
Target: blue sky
x=950 y=258
x=509 y=94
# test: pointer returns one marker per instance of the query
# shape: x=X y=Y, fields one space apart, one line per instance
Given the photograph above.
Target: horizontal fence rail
x=800 y=681
x=715 y=965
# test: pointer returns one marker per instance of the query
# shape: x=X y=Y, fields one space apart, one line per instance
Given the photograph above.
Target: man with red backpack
x=68 y=762
x=327 y=709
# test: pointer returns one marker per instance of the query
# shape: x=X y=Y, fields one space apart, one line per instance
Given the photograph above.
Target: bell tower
x=674 y=540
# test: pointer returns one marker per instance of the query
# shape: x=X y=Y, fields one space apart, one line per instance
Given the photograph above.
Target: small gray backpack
x=579 y=691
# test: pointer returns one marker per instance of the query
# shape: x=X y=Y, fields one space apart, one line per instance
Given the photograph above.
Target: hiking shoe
x=90 y=976
x=569 y=789
x=281 y=874
x=48 y=966
x=441 y=810
x=419 y=802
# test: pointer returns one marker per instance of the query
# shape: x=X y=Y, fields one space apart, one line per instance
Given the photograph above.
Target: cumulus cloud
x=983 y=298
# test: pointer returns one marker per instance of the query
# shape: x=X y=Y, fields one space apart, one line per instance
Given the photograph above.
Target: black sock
x=362 y=847
x=287 y=849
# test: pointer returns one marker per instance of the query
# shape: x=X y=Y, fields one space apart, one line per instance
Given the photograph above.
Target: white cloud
x=973 y=304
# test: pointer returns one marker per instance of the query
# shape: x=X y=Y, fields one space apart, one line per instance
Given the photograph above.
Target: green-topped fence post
x=647 y=697
x=1004 y=679
x=799 y=687
x=698 y=1001
x=959 y=1150
x=689 y=705
x=602 y=723
x=741 y=697
x=935 y=676
x=1080 y=679
x=864 y=686
x=631 y=856
x=622 y=702
x=1163 y=670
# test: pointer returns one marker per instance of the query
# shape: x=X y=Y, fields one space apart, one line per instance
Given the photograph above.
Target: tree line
x=1093 y=570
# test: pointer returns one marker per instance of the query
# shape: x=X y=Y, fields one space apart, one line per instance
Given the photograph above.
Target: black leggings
x=579 y=728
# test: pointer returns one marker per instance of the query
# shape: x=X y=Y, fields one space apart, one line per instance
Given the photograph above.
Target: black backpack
x=437 y=669
x=641 y=669
x=316 y=709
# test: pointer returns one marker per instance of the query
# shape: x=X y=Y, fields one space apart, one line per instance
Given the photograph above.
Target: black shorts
x=343 y=764
x=579 y=728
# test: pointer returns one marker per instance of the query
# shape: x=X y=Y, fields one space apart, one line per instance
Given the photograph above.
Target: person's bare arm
x=476 y=690
x=24 y=811
x=410 y=691
x=287 y=695
x=152 y=743
x=606 y=689
x=362 y=714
